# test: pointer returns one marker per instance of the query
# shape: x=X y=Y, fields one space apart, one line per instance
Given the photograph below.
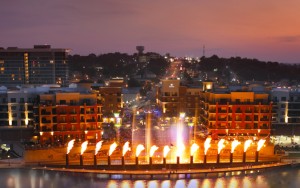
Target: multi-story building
x=286 y=116
x=111 y=98
x=175 y=99
x=39 y=65
x=239 y=112
x=17 y=121
x=69 y=115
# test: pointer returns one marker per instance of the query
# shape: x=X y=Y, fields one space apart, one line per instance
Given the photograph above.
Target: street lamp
x=8 y=160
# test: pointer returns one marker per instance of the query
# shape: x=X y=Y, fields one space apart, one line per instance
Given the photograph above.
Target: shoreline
x=153 y=174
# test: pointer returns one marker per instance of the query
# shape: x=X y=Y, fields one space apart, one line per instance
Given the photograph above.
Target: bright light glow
x=180 y=149
x=234 y=144
x=70 y=146
x=125 y=148
x=194 y=148
x=247 y=145
x=207 y=145
x=112 y=148
x=166 y=151
x=221 y=145
x=260 y=144
x=83 y=146
x=152 y=150
x=98 y=147
x=139 y=149
x=182 y=115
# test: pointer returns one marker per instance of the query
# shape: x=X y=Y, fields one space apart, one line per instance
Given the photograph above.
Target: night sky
x=267 y=30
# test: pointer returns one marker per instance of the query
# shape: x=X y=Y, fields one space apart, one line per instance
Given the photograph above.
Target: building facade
x=39 y=65
x=241 y=113
x=286 y=116
x=66 y=116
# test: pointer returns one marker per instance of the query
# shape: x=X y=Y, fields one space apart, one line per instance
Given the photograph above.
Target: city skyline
x=268 y=30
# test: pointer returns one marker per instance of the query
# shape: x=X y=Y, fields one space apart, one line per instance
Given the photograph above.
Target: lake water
x=26 y=178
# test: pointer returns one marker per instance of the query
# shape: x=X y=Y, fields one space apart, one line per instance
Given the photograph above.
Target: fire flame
x=206 y=145
x=98 y=147
x=247 y=145
x=112 y=148
x=220 y=145
x=83 y=146
x=139 y=149
x=260 y=144
x=194 y=148
x=152 y=150
x=180 y=149
x=70 y=146
x=126 y=148
x=234 y=144
x=166 y=151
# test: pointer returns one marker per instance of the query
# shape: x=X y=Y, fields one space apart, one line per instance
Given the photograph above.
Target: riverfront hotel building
x=39 y=65
x=69 y=115
x=243 y=113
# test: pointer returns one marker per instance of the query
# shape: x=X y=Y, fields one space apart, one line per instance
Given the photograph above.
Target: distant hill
x=251 y=69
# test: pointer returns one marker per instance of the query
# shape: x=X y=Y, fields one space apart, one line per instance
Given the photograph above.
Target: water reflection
x=22 y=178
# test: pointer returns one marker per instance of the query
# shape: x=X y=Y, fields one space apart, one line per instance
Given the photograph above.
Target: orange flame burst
x=194 y=148
x=247 y=145
x=112 y=148
x=207 y=145
x=70 y=146
x=125 y=148
x=98 y=147
x=83 y=146
x=260 y=144
x=180 y=149
x=221 y=145
x=234 y=144
x=139 y=149
x=166 y=151
x=152 y=150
